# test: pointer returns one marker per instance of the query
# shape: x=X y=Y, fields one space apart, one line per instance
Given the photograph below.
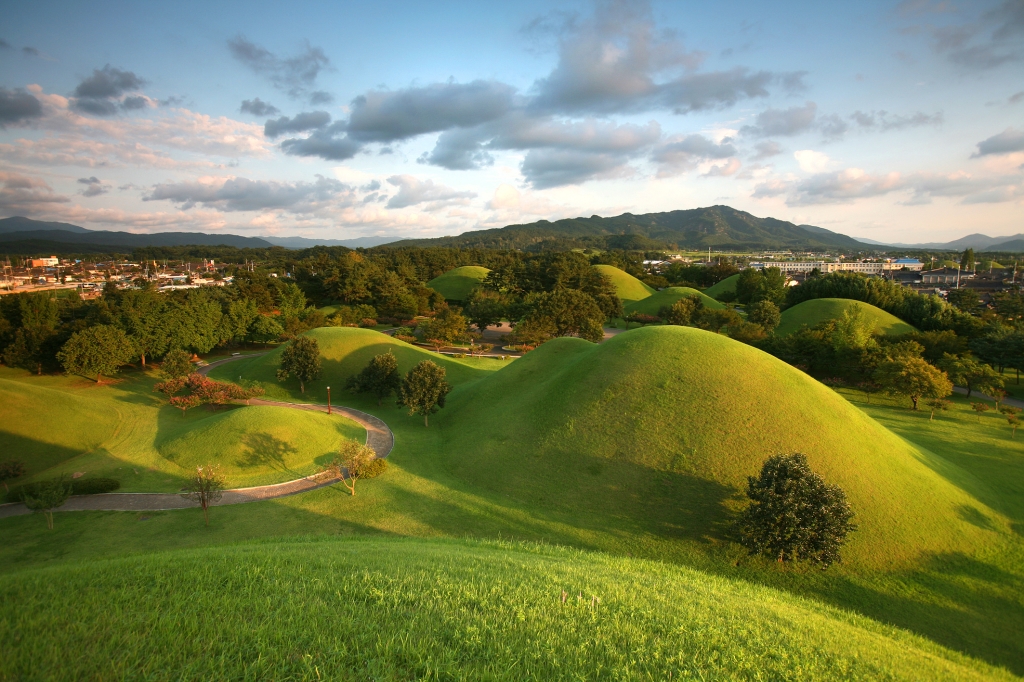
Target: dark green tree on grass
x=913 y=377
x=766 y=314
x=177 y=363
x=380 y=377
x=47 y=497
x=424 y=389
x=97 y=350
x=302 y=359
x=794 y=514
x=10 y=470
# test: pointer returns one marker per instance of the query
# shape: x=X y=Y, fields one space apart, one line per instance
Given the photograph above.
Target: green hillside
x=458 y=284
x=666 y=297
x=391 y=609
x=818 y=310
x=674 y=408
x=628 y=287
x=727 y=284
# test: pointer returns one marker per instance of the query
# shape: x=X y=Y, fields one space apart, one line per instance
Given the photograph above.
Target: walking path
x=378 y=437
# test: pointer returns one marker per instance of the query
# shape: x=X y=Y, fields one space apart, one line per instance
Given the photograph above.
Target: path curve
x=378 y=437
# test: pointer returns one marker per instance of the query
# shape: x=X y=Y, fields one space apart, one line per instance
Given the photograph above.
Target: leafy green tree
x=291 y=301
x=747 y=332
x=964 y=299
x=177 y=363
x=765 y=313
x=973 y=375
x=980 y=408
x=533 y=331
x=302 y=359
x=794 y=514
x=264 y=329
x=1014 y=421
x=912 y=377
x=681 y=312
x=205 y=486
x=747 y=284
x=97 y=350
x=967 y=260
x=424 y=389
x=239 y=318
x=141 y=315
x=937 y=404
x=10 y=470
x=447 y=327
x=48 y=497
x=352 y=462
x=485 y=308
x=380 y=377
x=572 y=312
x=37 y=321
x=713 y=320
x=771 y=287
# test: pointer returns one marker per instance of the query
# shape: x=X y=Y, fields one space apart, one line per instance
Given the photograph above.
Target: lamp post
x=328 y=400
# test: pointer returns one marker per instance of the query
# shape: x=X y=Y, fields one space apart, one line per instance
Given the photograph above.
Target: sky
x=891 y=121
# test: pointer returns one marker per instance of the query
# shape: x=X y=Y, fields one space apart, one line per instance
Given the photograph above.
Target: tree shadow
x=263 y=449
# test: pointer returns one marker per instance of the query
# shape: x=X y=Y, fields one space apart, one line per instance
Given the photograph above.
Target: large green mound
x=727 y=284
x=628 y=287
x=814 y=312
x=393 y=609
x=666 y=297
x=43 y=426
x=260 y=444
x=458 y=284
x=678 y=409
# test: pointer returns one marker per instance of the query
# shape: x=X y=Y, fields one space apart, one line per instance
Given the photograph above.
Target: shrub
x=368 y=322
x=79 y=486
x=375 y=468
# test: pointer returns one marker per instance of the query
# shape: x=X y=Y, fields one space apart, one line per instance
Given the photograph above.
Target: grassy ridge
x=666 y=297
x=386 y=609
x=628 y=287
x=727 y=284
x=814 y=312
x=458 y=284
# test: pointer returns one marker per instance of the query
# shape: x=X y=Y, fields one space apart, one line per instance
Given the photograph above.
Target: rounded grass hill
x=666 y=297
x=727 y=284
x=628 y=287
x=385 y=608
x=458 y=284
x=259 y=444
x=815 y=311
x=668 y=423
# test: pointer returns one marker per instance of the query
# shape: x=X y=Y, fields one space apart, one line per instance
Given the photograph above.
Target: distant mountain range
x=976 y=241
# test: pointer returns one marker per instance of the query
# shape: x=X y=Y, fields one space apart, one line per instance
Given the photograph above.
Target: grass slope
x=390 y=609
x=458 y=284
x=666 y=297
x=727 y=284
x=628 y=287
x=688 y=410
x=818 y=310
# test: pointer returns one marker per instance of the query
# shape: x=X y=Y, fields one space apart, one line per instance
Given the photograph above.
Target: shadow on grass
x=264 y=450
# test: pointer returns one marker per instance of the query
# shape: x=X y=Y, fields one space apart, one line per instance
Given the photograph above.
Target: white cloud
x=811 y=161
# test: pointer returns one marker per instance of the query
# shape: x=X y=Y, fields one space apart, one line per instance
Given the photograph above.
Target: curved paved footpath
x=378 y=437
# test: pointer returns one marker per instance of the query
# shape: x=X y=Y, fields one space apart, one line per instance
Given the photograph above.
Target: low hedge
x=375 y=468
x=79 y=486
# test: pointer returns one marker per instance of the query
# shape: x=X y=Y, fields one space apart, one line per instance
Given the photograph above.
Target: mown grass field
x=628 y=287
x=644 y=458
x=459 y=283
x=814 y=312
x=666 y=297
x=727 y=284
x=399 y=609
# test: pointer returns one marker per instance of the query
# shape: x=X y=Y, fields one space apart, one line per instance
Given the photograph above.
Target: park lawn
x=457 y=284
x=384 y=608
x=653 y=304
x=815 y=311
x=628 y=287
x=726 y=285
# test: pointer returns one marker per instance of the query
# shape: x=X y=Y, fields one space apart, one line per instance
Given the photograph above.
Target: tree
x=533 y=331
x=937 y=404
x=97 y=350
x=485 y=308
x=998 y=395
x=177 y=363
x=980 y=408
x=141 y=315
x=447 y=327
x=10 y=470
x=682 y=311
x=48 y=497
x=352 y=463
x=794 y=514
x=964 y=299
x=771 y=287
x=912 y=377
x=380 y=377
x=572 y=312
x=1014 y=421
x=424 y=389
x=264 y=329
x=972 y=374
x=766 y=314
x=713 y=320
x=301 y=358
x=205 y=486
x=747 y=332
x=746 y=285
x=967 y=260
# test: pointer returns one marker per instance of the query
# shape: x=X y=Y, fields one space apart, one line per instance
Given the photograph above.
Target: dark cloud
x=413 y=191
x=320 y=97
x=832 y=126
x=990 y=40
x=258 y=107
x=311 y=120
x=108 y=83
x=132 y=103
x=94 y=186
x=783 y=122
x=17 y=106
x=96 y=107
x=386 y=116
x=242 y=194
x=767 y=149
x=30 y=52
x=683 y=153
x=327 y=144
x=545 y=168
x=1016 y=97
x=4 y=45
x=1006 y=142
x=459 y=149
x=295 y=75
x=884 y=121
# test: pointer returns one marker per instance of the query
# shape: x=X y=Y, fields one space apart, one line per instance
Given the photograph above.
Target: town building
x=825 y=267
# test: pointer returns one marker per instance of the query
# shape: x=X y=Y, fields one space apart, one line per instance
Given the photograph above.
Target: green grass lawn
x=638 y=447
x=628 y=287
x=727 y=284
x=386 y=609
x=653 y=304
x=458 y=284
x=814 y=312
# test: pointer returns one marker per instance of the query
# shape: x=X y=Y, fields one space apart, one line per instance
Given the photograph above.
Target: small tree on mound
x=794 y=514
x=1014 y=421
x=937 y=404
x=205 y=486
x=766 y=314
x=354 y=461
x=682 y=311
x=980 y=408
x=302 y=359
x=9 y=471
x=177 y=363
x=380 y=377
x=97 y=350
x=424 y=389
x=48 y=497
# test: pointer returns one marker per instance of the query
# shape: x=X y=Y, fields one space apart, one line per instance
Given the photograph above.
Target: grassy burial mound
x=666 y=297
x=628 y=287
x=668 y=422
x=458 y=284
x=726 y=285
x=400 y=609
x=43 y=425
x=818 y=310
x=260 y=444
